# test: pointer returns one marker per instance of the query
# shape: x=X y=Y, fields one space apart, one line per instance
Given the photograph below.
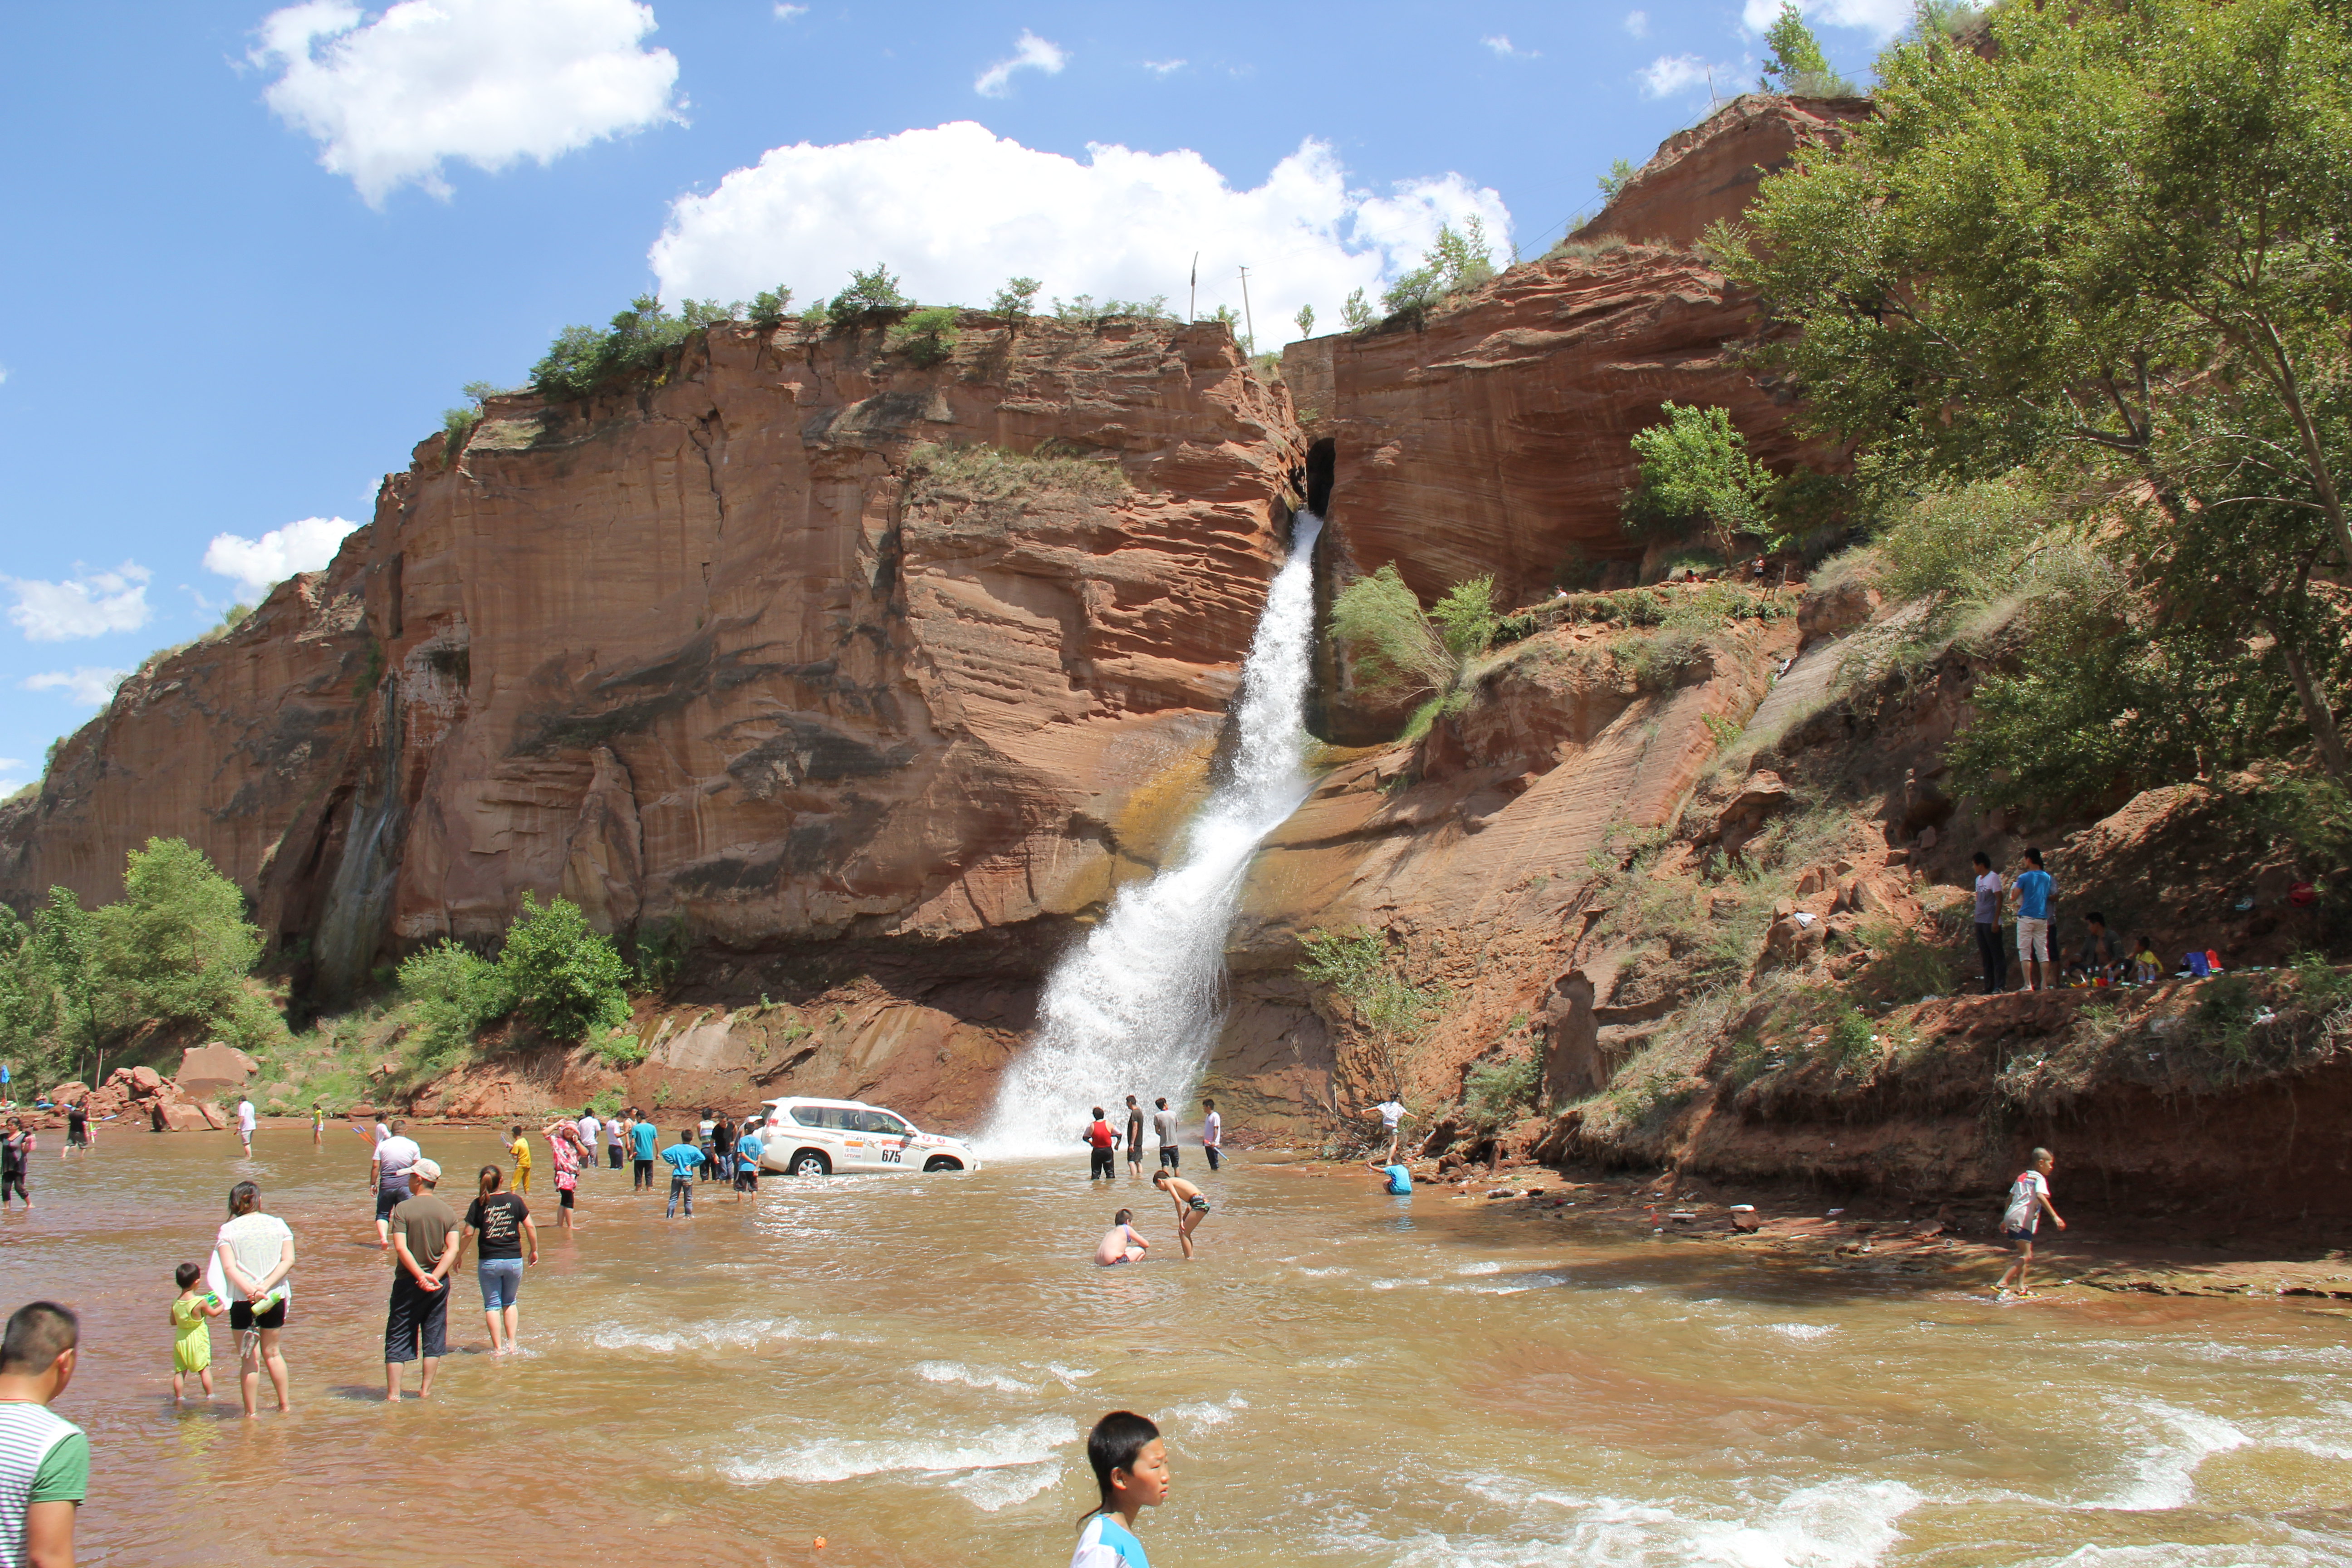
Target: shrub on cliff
x=1391 y=1009
x=1397 y=648
x=1696 y=477
x=1013 y=301
x=639 y=340
x=1455 y=264
x=925 y=337
x=873 y=290
x=997 y=476
x=566 y=977
x=1798 y=67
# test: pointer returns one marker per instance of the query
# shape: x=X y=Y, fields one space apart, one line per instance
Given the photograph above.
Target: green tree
x=582 y=360
x=873 y=289
x=66 y=939
x=1798 y=67
x=1696 y=476
x=177 y=945
x=1305 y=319
x=1013 y=301
x=1455 y=264
x=1619 y=171
x=566 y=977
x=926 y=337
x=770 y=306
x=30 y=1013
x=1357 y=311
x=456 y=992
x=2116 y=243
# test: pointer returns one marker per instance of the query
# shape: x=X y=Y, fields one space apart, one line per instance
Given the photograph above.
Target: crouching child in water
x=1119 y=1243
x=1130 y=1469
x=1192 y=1208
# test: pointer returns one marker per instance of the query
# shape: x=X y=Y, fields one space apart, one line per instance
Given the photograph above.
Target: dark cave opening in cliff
x=1322 y=463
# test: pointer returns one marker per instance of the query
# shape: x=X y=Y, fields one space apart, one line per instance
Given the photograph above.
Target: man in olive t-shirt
x=425 y=1242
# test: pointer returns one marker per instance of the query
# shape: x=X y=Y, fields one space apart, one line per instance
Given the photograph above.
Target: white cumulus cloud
x=257 y=565
x=86 y=604
x=1029 y=53
x=1880 y=19
x=956 y=210
x=1637 y=23
x=488 y=81
x=1501 y=44
x=785 y=13
x=1163 y=67
x=1671 y=74
x=87 y=685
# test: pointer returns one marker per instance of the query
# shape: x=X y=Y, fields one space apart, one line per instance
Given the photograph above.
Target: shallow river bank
x=906 y=1366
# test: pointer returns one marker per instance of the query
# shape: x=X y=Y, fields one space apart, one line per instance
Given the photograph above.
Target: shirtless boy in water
x=1119 y=1243
x=1192 y=1208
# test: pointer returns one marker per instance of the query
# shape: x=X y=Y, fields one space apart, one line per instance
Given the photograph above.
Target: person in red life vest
x=1100 y=1140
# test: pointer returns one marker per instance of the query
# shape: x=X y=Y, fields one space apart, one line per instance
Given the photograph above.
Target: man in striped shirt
x=43 y=1458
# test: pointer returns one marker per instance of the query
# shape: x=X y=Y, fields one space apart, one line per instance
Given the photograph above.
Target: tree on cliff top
x=1798 y=66
x=2120 y=245
x=1455 y=264
x=583 y=359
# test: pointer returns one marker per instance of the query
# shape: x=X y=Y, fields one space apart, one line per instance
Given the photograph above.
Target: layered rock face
x=726 y=649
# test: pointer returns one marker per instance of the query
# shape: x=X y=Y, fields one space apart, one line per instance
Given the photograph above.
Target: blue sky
x=257 y=250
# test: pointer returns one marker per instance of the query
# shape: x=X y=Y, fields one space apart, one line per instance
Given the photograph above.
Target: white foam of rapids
x=1135 y=1008
x=2178 y=1441
x=1839 y=1524
x=1032 y=1443
x=707 y=1336
x=971 y=1376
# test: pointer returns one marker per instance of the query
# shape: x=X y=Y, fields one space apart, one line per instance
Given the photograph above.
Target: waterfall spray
x=1135 y=1008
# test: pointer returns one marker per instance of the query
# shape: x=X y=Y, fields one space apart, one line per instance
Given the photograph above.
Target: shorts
x=1198 y=1205
x=2015 y=1233
x=418 y=1320
x=746 y=1177
x=500 y=1279
x=563 y=1197
x=2033 y=940
x=1167 y=1157
x=388 y=1199
x=241 y=1317
x=76 y=1137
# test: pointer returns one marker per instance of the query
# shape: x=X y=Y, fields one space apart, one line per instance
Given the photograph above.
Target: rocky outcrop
x=722 y=647
x=1708 y=173
x=208 y=1069
x=139 y=1096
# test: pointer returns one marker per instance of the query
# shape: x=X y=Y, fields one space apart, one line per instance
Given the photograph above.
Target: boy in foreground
x=1192 y=1208
x=43 y=1458
x=2029 y=1197
x=1130 y=1466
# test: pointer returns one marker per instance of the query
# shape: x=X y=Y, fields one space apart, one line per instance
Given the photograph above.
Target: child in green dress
x=192 y=1345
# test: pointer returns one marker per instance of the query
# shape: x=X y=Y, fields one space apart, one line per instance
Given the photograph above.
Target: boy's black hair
x=1208 y=1105
x=1130 y=1099
x=516 y=1131
x=1160 y=1176
x=1981 y=858
x=1113 y=1445
x=2034 y=856
x=1161 y=1104
x=39 y=1333
x=1124 y=1216
x=186 y=1273
x=2096 y=918
x=1098 y=1113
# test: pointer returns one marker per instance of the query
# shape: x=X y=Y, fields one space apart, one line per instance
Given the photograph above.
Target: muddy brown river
x=906 y=1365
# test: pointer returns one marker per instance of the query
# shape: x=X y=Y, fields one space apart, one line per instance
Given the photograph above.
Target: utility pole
x=1247 y=322
x=1192 y=305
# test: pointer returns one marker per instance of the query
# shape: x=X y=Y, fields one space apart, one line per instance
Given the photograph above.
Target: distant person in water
x=1100 y=1140
x=245 y=1125
x=616 y=1133
x=748 y=1152
x=1134 y=1138
x=16 y=1163
x=520 y=1152
x=2029 y=1199
x=1130 y=1466
x=1119 y=1243
x=77 y=1126
x=683 y=1158
x=1192 y=1208
x=1399 y=1178
x=1163 y=1132
x=643 y=1136
x=1212 y=1132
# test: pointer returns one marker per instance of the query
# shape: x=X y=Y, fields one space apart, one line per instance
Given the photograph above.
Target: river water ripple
x=906 y=1365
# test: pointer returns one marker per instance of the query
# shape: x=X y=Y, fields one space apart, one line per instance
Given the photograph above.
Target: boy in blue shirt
x=2033 y=890
x=1399 y=1177
x=682 y=1158
x=747 y=1162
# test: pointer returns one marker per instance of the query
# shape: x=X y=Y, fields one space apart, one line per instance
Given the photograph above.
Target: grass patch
x=996 y=478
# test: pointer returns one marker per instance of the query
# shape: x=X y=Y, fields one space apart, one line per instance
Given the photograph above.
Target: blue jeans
x=501 y=1281
x=681 y=1189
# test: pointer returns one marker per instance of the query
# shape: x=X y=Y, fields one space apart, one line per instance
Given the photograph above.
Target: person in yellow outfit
x=192 y=1330
x=521 y=1153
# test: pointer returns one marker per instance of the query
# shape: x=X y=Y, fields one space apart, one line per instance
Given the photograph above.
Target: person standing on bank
x=425 y=1242
x=1989 y=950
x=2034 y=888
x=44 y=1458
x=253 y=1258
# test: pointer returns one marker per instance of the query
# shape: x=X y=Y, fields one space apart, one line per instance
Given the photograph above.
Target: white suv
x=819 y=1137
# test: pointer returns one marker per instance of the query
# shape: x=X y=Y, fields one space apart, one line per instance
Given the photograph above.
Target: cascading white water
x=1135 y=1008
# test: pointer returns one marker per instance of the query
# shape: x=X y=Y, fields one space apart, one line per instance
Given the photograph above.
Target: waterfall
x=1135 y=1008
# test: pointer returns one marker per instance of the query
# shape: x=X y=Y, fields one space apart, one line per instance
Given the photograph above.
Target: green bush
x=870 y=291
x=606 y=1105
x=1358 y=313
x=1798 y=67
x=1013 y=301
x=770 y=306
x=1305 y=319
x=566 y=977
x=616 y=1045
x=1496 y=1092
x=1619 y=171
x=1696 y=476
x=1455 y=264
x=456 y=992
x=1379 y=621
x=1658 y=661
x=1394 y=1011
x=925 y=337
x=660 y=950
x=1465 y=617
x=458 y=427
x=1849 y=1040
x=582 y=360
x=993 y=476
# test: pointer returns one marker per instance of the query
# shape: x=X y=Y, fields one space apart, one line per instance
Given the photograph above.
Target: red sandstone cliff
x=715 y=649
